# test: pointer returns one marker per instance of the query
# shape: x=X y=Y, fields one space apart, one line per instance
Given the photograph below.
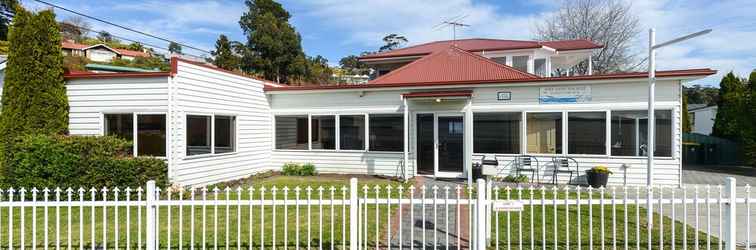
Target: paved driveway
x=716 y=174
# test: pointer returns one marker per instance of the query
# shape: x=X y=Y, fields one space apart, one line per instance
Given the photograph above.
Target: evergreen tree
x=729 y=119
x=223 y=54
x=273 y=45
x=393 y=41
x=34 y=98
x=104 y=36
x=685 y=116
x=750 y=138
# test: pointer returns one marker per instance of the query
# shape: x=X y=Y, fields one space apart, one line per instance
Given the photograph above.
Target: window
x=520 y=63
x=151 y=135
x=586 y=133
x=225 y=134
x=198 y=135
x=291 y=132
x=121 y=126
x=501 y=60
x=539 y=66
x=352 y=132
x=544 y=133
x=630 y=133
x=323 y=132
x=386 y=132
x=496 y=133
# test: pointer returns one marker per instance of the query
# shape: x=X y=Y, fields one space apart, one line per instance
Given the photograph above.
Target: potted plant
x=598 y=176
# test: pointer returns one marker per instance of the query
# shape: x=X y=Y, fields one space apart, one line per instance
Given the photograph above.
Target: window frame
x=212 y=153
x=310 y=132
x=520 y=136
x=673 y=144
x=296 y=115
x=367 y=133
x=607 y=131
x=135 y=128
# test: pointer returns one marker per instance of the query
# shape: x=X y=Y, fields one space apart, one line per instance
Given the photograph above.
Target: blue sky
x=336 y=28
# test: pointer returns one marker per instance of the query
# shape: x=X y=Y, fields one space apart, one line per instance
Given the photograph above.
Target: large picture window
x=496 y=133
x=386 y=132
x=544 y=133
x=352 y=132
x=586 y=133
x=150 y=132
x=225 y=134
x=198 y=135
x=323 y=132
x=630 y=133
x=291 y=132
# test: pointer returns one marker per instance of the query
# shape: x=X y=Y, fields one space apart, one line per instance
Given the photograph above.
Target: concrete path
x=716 y=174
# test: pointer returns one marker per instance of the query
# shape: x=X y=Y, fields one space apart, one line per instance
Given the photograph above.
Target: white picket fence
x=380 y=217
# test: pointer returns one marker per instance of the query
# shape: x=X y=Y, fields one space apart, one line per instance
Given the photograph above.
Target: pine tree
x=729 y=119
x=34 y=97
x=223 y=55
x=750 y=140
x=274 y=47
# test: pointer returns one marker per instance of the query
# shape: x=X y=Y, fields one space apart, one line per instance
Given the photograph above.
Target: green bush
x=296 y=169
x=78 y=161
x=516 y=179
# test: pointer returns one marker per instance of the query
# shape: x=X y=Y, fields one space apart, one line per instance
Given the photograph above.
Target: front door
x=440 y=145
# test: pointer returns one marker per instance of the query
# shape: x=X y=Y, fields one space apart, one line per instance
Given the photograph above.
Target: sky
x=337 y=28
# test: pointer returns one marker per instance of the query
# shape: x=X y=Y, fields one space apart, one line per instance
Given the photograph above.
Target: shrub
x=78 y=161
x=296 y=169
x=516 y=179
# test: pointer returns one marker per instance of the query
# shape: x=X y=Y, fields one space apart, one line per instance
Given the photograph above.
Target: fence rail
x=487 y=215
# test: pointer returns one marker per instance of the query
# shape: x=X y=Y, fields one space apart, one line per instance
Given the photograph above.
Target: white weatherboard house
x=435 y=109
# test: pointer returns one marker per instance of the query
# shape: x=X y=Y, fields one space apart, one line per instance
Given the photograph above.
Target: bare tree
x=75 y=28
x=607 y=22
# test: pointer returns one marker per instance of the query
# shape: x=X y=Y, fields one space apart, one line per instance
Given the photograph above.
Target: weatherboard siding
x=89 y=99
x=203 y=91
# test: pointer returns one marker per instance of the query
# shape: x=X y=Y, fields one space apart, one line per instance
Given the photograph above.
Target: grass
x=213 y=224
x=212 y=221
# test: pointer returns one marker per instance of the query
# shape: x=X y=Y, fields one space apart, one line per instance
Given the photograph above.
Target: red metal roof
x=460 y=93
x=451 y=65
x=628 y=75
x=132 y=53
x=480 y=44
x=70 y=45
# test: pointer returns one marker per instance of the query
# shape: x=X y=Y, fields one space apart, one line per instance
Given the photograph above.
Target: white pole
x=406 y=139
x=651 y=122
x=480 y=213
x=353 y=214
x=151 y=215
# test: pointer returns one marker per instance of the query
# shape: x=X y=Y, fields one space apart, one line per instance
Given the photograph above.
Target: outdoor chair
x=564 y=165
x=527 y=163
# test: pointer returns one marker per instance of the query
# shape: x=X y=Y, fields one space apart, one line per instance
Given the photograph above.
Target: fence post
x=353 y=214
x=150 y=215
x=731 y=219
x=480 y=213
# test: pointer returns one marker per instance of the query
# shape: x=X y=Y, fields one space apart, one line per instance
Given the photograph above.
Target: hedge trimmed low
x=78 y=161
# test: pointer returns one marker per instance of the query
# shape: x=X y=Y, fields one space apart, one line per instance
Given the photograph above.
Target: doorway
x=440 y=145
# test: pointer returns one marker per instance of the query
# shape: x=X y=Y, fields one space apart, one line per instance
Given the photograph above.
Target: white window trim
x=212 y=134
x=367 y=133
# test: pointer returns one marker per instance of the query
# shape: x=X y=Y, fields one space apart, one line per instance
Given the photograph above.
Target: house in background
x=100 y=52
x=702 y=118
x=434 y=113
x=545 y=59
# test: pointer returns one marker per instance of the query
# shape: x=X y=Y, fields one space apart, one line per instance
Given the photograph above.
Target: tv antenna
x=454 y=22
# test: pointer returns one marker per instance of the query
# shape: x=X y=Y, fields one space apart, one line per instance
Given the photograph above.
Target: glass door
x=450 y=150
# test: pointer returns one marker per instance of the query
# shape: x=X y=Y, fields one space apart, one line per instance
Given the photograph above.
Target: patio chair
x=527 y=163
x=564 y=165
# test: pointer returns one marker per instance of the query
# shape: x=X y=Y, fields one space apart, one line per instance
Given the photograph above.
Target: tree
x=34 y=98
x=607 y=22
x=730 y=119
x=136 y=46
x=352 y=65
x=74 y=28
x=686 y=128
x=7 y=10
x=174 y=47
x=701 y=94
x=104 y=36
x=223 y=55
x=750 y=138
x=393 y=41
x=273 y=46
x=318 y=70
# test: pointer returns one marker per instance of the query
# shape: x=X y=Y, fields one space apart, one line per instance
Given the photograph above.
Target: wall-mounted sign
x=565 y=94
x=504 y=96
x=508 y=206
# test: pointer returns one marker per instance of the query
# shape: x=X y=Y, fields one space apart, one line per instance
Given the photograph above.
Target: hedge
x=78 y=161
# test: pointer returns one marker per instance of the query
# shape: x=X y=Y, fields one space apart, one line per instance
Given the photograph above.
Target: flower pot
x=596 y=179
